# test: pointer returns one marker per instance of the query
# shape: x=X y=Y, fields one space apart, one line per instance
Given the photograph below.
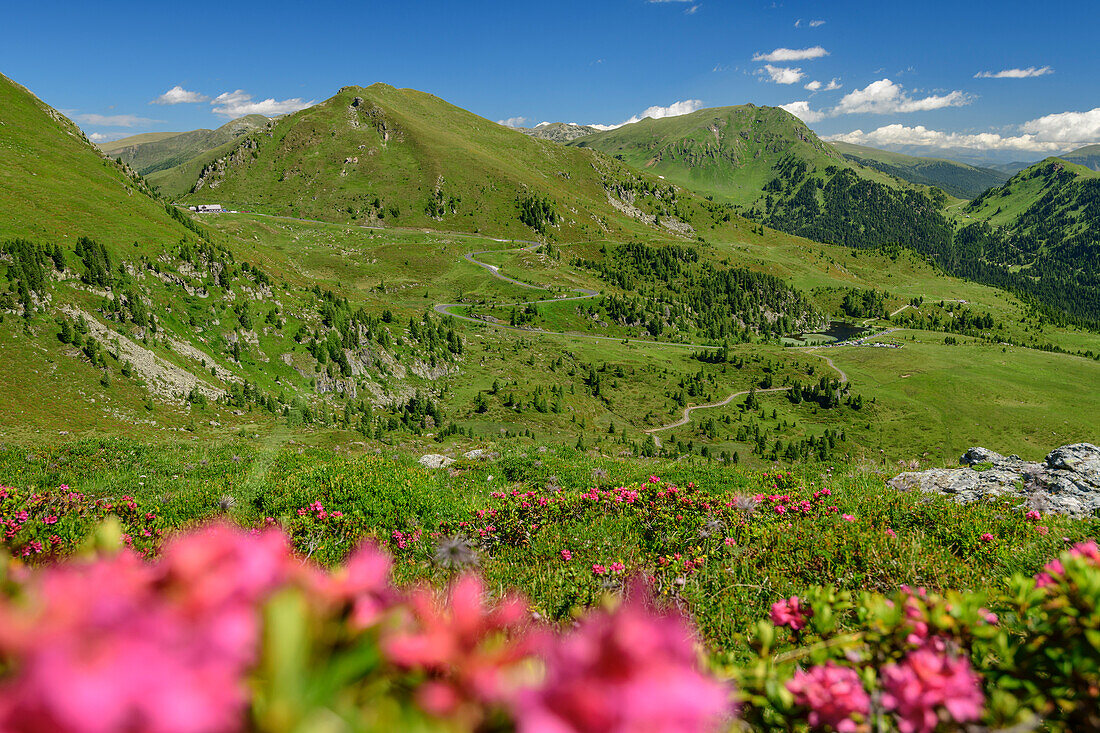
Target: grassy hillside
x=277 y=329
x=386 y=156
x=180 y=179
x=1088 y=156
x=957 y=179
x=1045 y=223
x=152 y=152
x=112 y=147
x=730 y=153
x=778 y=172
x=55 y=186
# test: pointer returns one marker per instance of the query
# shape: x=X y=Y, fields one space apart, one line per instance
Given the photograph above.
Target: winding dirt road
x=445 y=309
x=688 y=410
x=584 y=294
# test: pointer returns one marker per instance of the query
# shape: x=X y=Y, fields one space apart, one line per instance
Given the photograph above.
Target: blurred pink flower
x=471 y=649
x=631 y=670
x=1087 y=550
x=362 y=581
x=791 y=613
x=117 y=644
x=1033 y=516
x=566 y=555
x=833 y=695
x=924 y=683
x=987 y=537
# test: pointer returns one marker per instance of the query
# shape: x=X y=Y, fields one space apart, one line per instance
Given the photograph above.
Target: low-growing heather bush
x=228 y=630
x=823 y=598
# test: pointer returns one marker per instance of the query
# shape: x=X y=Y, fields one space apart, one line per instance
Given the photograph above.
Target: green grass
x=385 y=159
x=730 y=153
x=937 y=543
x=55 y=187
x=935 y=401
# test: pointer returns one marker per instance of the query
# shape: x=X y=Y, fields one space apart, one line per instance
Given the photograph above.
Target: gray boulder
x=436 y=460
x=1067 y=482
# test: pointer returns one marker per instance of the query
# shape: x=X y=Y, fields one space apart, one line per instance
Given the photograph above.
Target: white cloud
x=802 y=111
x=239 y=103
x=1015 y=73
x=101 y=137
x=886 y=97
x=692 y=10
x=783 y=74
x=816 y=23
x=683 y=107
x=1072 y=128
x=513 y=122
x=114 y=120
x=901 y=135
x=814 y=86
x=179 y=95
x=791 y=54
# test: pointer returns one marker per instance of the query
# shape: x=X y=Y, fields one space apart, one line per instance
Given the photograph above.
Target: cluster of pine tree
x=672 y=288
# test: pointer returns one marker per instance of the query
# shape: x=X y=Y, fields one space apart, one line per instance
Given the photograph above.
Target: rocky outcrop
x=1067 y=482
x=436 y=460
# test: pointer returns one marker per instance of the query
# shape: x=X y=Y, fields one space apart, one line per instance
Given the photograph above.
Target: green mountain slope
x=232 y=327
x=55 y=186
x=728 y=152
x=179 y=179
x=1045 y=221
x=782 y=175
x=1088 y=156
x=118 y=312
x=381 y=155
x=152 y=152
x=957 y=179
x=771 y=165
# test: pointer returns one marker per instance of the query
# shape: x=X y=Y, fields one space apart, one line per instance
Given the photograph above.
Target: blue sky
x=897 y=75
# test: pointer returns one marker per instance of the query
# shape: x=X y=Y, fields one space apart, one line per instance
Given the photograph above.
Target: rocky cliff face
x=1068 y=482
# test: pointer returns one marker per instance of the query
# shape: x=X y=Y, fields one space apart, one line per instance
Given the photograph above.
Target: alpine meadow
x=651 y=366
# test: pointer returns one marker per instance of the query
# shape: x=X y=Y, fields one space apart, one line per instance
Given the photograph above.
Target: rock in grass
x=1068 y=482
x=436 y=460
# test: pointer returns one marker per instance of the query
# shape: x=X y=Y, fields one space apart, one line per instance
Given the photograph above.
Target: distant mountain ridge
x=152 y=152
x=726 y=152
x=958 y=179
x=1088 y=156
x=559 y=132
x=381 y=155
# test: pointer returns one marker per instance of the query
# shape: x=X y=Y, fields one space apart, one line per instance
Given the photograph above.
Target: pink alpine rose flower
x=927 y=682
x=631 y=670
x=834 y=695
x=791 y=613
